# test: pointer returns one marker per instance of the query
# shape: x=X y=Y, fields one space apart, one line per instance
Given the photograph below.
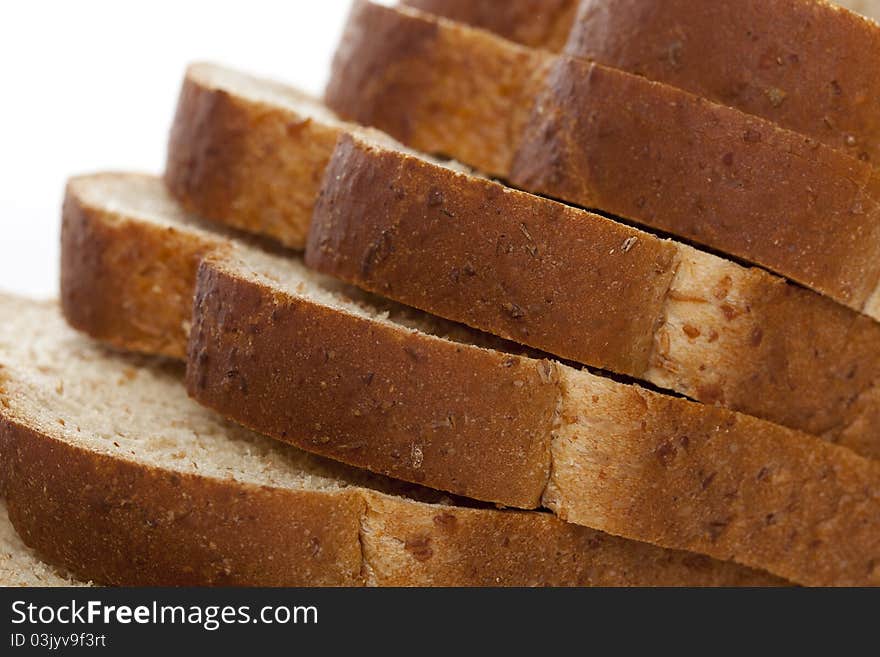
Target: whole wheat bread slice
x=275 y=349
x=19 y=566
x=559 y=279
x=804 y=64
x=111 y=472
x=534 y=23
x=547 y=24
x=869 y=8
x=599 y=137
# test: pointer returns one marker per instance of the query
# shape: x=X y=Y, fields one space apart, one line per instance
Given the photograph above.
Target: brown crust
x=534 y=23
x=803 y=64
x=405 y=542
x=673 y=472
x=525 y=268
x=597 y=292
x=470 y=421
x=806 y=65
x=398 y=71
x=220 y=144
x=125 y=284
x=411 y=86
x=817 y=222
x=125 y=523
x=262 y=338
x=247 y=361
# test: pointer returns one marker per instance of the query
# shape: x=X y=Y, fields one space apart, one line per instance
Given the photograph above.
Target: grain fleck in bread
x=111 y=472
x=537 y=272
x=645 y=151
x=274 y=350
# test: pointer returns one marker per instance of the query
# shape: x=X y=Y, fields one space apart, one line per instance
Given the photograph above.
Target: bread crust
x=817 y=222
x=803 y=64
x=415 y=93
x=472 y=421
x=251 y=332
x=606 y=446
x=126 y=285
x=531 y=270
x=398 y=70
x=406 y=542
x=597 y=292
x=220 y=143
x=534 y=23
x=126 y=523
x=674 y=472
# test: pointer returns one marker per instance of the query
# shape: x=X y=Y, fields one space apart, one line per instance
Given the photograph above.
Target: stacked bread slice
x=325 y=429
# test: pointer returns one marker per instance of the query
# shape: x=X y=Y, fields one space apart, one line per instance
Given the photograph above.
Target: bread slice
x=273 y=348
x=534 y=23
x=596 y=292
x=650 y=153
x=769 y=58
x=231 y=129
x=534 y=271
x=19 y=566
x=111 y=472
x=869 y=8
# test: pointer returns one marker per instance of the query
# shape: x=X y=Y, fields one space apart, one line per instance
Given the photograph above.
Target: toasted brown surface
x=532 y=270
x=649 y=152
x=403 y=542
x=122 y=523
x=606 y=434
x=406 y=542
x=124 y=284
x=222 y=142
x=19 y=566
x=400 y=71
x=472 y=421
x=533 y=23
x=597 y=292
x=710 y=174
x=804 y=64
x=126 y=523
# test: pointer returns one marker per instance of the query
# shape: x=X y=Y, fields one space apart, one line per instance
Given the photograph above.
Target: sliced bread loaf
x=559 y=279
x=275 y=349
x=603 y=138
x=19 y=566
x=110 y=471
x=803 y=64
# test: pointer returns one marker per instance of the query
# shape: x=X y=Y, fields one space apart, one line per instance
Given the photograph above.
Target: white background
x=91 y=85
